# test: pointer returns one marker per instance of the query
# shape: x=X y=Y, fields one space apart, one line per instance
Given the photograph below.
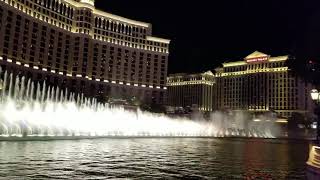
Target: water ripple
x=154 y=159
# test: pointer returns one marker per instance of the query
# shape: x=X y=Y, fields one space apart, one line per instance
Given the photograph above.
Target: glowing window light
x=314 y=125
x=18 y=63
x=314 y=94
x=281 y=121
x=26 y=65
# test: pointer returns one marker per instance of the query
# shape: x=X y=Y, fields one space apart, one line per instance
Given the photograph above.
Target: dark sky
x=205 y=33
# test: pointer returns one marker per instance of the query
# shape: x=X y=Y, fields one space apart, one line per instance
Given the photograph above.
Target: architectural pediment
x=208 y=73
x=256 y=54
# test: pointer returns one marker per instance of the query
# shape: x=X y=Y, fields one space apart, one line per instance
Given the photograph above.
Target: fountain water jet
x=28 y=109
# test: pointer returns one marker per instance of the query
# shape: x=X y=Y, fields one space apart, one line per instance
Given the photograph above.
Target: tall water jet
x=35 y=109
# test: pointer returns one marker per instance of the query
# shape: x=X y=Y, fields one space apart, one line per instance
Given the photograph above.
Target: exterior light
x=281 y=121
x=315 y=97
x=314 y=94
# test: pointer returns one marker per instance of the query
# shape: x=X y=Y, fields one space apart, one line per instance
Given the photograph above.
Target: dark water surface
x=154 y=158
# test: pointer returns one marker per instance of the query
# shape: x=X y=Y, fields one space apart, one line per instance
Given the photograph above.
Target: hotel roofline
x=87 y=4
x=177 y=75
x=253 y=56
x=105 y=15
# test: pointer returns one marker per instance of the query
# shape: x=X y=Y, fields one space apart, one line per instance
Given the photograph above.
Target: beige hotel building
x=75 y=45
x=191 y=90
x=258 y=83
x=261 y=83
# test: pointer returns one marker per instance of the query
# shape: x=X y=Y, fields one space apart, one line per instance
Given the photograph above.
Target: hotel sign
x=257 y=59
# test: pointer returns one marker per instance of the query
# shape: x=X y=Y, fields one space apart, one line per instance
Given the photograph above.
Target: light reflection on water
x=154 y=158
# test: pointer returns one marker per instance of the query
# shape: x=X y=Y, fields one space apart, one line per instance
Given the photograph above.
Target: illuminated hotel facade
x=258 y=83
x=262 y=83
x=72 y=44
x=189 y=90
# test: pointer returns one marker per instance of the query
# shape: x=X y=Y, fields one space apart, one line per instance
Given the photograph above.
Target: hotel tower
x=191 y=90
x=72 y=44
x=258 y=83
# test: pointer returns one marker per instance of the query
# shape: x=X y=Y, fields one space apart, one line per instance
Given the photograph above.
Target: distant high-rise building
x=261 y=83
x=191 y=90
x=72 y=44
x=258 y=83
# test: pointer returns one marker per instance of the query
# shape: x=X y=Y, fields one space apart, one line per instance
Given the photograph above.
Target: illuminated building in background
x=191 y=90
x=261 y=83
x=72 y=44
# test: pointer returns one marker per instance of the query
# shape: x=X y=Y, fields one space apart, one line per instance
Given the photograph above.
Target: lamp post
x=315 y=95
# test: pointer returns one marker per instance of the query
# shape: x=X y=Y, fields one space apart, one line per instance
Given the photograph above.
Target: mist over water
x=242 y=124
x=30 y=109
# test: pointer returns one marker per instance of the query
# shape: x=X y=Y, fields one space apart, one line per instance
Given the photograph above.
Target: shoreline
x=60 y=138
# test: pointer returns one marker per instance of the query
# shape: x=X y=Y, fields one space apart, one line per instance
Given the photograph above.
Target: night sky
x=206 y=33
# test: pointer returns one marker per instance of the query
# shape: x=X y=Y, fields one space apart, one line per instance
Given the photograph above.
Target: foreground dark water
x=154 y=158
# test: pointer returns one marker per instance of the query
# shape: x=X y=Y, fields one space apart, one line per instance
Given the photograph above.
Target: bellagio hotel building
x=72 y=44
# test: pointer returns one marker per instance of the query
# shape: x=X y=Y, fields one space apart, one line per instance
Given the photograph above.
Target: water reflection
x=154 y=158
